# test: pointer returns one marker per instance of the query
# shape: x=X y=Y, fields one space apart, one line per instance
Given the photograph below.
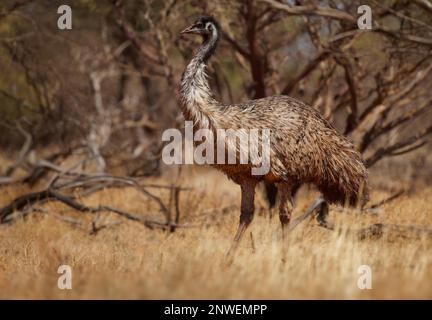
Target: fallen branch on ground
x=50 y=194
x=88 y=184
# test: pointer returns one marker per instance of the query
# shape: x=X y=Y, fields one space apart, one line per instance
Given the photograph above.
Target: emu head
x=205 y=26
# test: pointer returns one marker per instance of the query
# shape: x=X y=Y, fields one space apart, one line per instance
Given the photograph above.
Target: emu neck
x=198 y=104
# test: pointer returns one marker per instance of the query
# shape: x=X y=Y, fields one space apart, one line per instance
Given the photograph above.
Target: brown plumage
x=304 y=147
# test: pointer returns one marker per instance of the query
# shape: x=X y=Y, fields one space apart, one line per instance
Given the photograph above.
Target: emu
x=304 y=147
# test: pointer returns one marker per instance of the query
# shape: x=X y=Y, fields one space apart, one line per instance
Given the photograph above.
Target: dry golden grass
x=128 y=260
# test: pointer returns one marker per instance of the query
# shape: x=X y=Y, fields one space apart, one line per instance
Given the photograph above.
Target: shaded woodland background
x=81 y=117
x=107 y=88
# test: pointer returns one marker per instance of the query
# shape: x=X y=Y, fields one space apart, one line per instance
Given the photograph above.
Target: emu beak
x=191 y=29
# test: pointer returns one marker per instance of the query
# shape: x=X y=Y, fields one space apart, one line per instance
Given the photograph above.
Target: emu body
x=304 y=147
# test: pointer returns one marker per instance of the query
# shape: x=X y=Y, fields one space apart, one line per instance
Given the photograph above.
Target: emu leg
x=246 y=215
x=322 y=216
x=285 y=211
x=285 y=206
x=271 y=193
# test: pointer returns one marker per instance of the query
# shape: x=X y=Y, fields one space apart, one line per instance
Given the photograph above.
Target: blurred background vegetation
x=107 y=88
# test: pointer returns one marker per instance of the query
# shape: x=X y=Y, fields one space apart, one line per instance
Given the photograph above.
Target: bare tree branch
x=311 y=10
x=15 y=5
x=425 y=4
x=394 y=148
